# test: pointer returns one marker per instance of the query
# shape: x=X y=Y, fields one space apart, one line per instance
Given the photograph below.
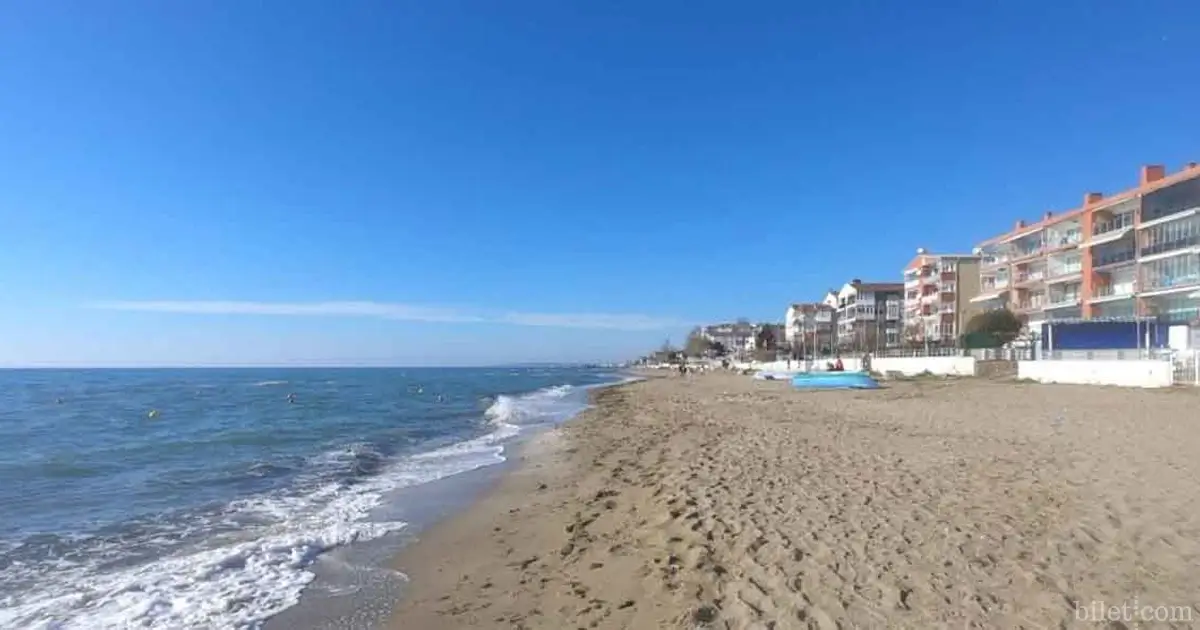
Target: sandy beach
x=717 y=501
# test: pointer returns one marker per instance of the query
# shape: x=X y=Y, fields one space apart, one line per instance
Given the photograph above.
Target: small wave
x=269 y=383
x=236 y=579
x=552 y=404
x=247 y=560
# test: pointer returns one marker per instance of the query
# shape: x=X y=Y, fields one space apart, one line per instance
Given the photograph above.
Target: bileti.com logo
x=1133 y=611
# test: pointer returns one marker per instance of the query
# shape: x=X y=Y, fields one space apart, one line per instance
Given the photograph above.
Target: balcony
x=948 y=287
x=1034 y=303
x=1031 y=277
x=1119 y=223
x=1025 y=254
x=947 y=308
x=1063 y=300
x=993 y=261
x=1167 y=282
x=1167 y=247
x=1113 y=259
x=1113 y=292
x=911 y=281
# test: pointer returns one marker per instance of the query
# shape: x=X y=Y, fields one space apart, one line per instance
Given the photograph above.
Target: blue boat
x=834 y=380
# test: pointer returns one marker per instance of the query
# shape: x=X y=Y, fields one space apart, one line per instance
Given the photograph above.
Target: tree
x=718 y=349
x=992 y=329
x=765 y=339
x=697 y=345
x=914 y=335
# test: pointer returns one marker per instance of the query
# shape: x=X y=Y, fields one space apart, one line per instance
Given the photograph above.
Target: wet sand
x=718 y=501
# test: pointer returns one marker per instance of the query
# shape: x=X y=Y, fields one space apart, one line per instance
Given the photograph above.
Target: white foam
x=240 y=580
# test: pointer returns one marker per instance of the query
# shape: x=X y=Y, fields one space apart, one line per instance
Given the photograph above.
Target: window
x=1171 y=200
x=1167 y=237
x=1171 y=272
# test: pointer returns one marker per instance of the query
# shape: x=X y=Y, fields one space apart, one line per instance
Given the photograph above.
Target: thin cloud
x=392 y=311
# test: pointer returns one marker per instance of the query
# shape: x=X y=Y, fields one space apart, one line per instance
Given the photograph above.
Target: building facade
x=809 y=329
x=1136 y=253
x=869 y=315
x=938 y=289
x=736 y=337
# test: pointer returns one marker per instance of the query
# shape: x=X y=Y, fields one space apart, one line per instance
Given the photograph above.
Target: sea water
x=201 y=498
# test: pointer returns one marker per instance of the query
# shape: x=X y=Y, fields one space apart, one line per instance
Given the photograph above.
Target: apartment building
x=1133 y=253
x=868 y=315
x=809 y=327
x=735 y=337
x=938 y=289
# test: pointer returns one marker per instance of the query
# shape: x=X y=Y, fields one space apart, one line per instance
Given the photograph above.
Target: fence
x=1185 y=366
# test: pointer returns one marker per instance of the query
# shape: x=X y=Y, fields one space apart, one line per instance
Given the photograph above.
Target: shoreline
x=721 y=501
x=356 y=586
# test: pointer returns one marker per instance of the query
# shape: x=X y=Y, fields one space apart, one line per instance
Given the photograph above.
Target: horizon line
x=395 y=311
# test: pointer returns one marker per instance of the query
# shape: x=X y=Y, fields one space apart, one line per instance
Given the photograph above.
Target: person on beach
x=838 y=366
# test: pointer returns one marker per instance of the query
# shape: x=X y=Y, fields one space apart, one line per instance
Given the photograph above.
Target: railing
x=1108 y=290
x=947 y=308
x=1030 y=304
x=917 y=353
x=1069 y=299
x=1064 y=271
x=1119 y=222
x=949 y=287
x=1155 y=283
x=1002 y=354
x=1113 y=259
x=1168 y=246
x=1114 y=354
x=1072 y=237
x=1031 y=276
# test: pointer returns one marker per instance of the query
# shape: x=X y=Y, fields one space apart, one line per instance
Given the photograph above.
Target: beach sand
x=719 y=501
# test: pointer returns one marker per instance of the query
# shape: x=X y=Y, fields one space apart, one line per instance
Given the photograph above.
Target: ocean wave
x=238 y=564
x=269 y=383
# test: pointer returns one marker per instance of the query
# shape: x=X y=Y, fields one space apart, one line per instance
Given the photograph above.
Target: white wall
x=1124 y=373
x=911 y=366
x=908 y=366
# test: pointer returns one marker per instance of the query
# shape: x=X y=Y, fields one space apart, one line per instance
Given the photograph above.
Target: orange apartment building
x=937 y=296
x=1136 y=253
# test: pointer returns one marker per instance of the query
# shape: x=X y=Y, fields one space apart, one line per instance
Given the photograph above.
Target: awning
x=984 y=297
x=1108 y=237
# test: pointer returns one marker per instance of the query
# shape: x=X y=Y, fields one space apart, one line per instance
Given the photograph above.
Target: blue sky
x=479 y=182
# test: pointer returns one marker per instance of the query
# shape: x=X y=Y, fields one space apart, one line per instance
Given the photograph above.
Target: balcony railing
x=1115 y=258
x=1066 y=270
x=1113 y=290
x=1031 y=304
x=1070 y=237
x=947 y=308
x=1027 y=253
x=991 y=261
x=1170 y=246
x=1067 y=299
x=1157 y=282
x=1032 y=276
x=1119 y=222
x=949 y=287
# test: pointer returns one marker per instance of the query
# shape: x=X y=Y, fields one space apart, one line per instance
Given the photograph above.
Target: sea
x=207 y=498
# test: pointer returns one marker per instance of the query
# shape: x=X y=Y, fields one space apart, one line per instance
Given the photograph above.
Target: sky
x=399 y=182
